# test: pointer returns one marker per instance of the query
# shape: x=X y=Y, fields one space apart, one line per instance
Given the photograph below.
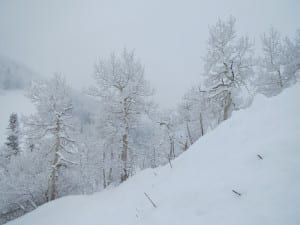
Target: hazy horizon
x=169 y=37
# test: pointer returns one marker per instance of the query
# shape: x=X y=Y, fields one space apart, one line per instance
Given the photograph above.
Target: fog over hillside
x=185 y=112
x=168 y=36
x=13 y=75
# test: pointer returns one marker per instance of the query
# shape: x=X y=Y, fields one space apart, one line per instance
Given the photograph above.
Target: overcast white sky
x=168 y=36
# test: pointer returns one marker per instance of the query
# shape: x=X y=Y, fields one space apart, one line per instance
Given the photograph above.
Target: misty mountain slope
x=198 y=189
x=15 y=101
x=14 y=79
x=14 y=75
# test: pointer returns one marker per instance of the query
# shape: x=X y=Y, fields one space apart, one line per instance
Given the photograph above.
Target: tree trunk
x=54 y=166
x=103 y=170
x=280 y=79
x=104 y=178
x=124 y=154
x=172 y=149
x=227 y=107
x=110 y=178
x=189 y=133
x=53 y=176
x=201 y=124
x=124 y=157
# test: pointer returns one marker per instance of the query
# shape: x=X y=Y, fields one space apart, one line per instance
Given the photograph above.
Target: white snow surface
x=198 y=189
x=12 y=101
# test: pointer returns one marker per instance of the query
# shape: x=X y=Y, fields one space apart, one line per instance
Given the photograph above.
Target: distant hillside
x=14 y=75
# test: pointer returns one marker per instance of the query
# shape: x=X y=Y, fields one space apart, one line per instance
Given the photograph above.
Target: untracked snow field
x=199 y=189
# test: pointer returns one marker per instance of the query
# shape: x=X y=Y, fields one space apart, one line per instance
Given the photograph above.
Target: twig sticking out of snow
x=260 y=157
x=150 y=200
x=237 y=193
x=137 y=213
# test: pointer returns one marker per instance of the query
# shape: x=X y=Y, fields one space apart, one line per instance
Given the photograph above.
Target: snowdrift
x=199 y=189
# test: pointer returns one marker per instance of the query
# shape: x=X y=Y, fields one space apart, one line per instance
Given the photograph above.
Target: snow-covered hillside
x=12 y=101
x=198 y=189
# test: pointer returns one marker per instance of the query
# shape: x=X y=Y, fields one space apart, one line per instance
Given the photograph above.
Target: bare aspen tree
x=280 y=64
x=228 y=63
x=123 y=91
x=52 y=124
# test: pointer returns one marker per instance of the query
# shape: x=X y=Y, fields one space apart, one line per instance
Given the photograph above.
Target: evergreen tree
x=12 y=142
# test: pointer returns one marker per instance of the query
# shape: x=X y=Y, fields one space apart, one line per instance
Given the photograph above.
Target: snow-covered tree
x=168 y=123
x=292 y=59
x=13 y=132
x=280 y=63
x=51 y=127
x=198 y=113
x=23 y=185
x=228 y=63
x=124 y=93
x=271 y=78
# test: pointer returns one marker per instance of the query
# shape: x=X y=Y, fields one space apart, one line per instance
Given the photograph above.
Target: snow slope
x=12 y=101
x=198 y=189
